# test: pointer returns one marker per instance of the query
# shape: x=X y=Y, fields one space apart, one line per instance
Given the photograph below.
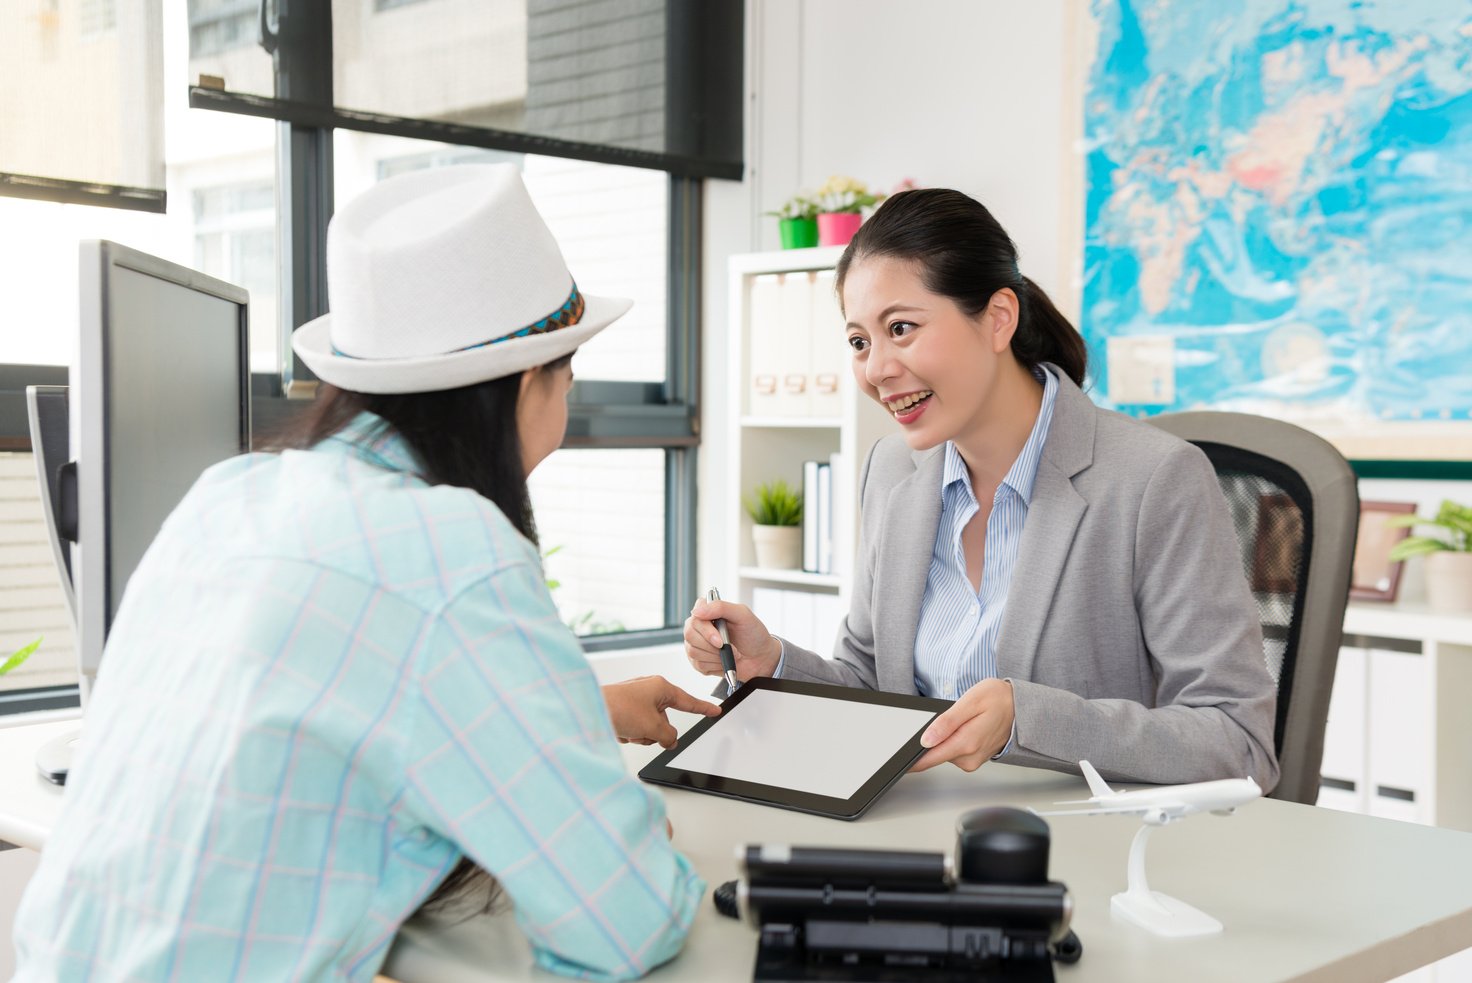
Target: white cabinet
x=1342 y=773
x=1399 y=739
x=798 y=402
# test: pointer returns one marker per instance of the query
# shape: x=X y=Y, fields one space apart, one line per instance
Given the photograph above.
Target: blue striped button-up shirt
x=327 y=682
x=956 y=641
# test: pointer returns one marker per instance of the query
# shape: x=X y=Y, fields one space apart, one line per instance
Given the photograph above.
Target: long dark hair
x=964 y=254
x=465 y=437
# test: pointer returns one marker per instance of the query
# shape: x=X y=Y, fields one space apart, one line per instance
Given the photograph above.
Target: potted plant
x=1448 y=557
x=841 y=202
x=797 y=222
x=776 y=511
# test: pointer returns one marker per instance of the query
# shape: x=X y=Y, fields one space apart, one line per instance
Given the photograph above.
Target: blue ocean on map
x=1284 y=191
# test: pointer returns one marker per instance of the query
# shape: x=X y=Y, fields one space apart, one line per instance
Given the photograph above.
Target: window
x=613 y=109
x=601 y=523
x=221 y=25
x=221 y=219
x=32 y=607
x=235 y=240
x=602 y=512
x=98 y=18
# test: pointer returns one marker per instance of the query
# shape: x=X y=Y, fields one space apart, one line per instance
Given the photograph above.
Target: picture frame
x=1375 y=577
x=1277 y=552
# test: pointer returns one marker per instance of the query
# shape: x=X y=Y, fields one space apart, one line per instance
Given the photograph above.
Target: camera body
x=829 y=913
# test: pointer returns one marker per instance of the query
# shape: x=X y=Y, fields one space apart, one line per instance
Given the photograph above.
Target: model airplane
x=1161 y=804
x=1151 y=910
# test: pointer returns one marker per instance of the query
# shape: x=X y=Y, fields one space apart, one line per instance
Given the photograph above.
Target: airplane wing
x=1098 y=811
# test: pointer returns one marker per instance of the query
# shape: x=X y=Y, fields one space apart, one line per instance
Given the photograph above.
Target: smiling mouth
x=905 y=405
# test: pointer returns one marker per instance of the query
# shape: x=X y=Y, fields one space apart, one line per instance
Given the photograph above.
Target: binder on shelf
x=764 y=338
x=810 y=517
x=1401 y=755
x=766 y=604
x=828 y=351
x=840 y=490
x=1343 y=766
x=797 y=617
x=828 y=615
x=794 y=325
x=825 y=517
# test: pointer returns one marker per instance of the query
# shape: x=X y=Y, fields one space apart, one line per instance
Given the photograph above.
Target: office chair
x=1295 y=506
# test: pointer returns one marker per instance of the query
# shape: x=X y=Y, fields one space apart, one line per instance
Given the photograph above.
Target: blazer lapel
x=911 y=518
x=1053 y=516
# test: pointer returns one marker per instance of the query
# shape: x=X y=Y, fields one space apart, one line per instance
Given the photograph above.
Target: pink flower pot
x=837 y=228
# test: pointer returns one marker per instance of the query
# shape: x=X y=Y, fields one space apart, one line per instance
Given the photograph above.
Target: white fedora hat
x=444 y=278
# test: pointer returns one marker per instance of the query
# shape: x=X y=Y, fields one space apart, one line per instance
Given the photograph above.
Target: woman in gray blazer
x=1067 y=575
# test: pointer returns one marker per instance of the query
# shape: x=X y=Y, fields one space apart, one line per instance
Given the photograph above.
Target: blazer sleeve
x=853 y=655
x=1214 y=704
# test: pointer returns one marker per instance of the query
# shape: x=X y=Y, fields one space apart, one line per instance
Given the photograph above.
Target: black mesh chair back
x=1295 y=506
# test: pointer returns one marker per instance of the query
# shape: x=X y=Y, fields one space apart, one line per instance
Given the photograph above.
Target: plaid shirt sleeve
x=513 y=758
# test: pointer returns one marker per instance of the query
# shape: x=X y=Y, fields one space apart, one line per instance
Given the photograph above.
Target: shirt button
x=975 y=610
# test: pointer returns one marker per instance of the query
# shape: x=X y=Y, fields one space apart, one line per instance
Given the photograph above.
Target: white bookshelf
x=1399 y=734
x=765 y=444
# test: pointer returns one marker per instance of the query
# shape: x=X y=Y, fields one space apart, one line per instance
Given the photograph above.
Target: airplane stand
x=1153 y=911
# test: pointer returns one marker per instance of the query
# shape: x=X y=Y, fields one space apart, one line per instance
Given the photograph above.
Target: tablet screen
x=804 y=743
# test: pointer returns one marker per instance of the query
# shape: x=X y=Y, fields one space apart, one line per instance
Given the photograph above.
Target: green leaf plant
x=1455 y=519
x=774 y=503
x=19 y=656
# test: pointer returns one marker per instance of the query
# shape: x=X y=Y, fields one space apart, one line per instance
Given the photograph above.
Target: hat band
x=570 y=313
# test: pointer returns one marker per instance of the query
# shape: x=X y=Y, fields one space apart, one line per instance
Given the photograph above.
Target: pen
x=728 y=658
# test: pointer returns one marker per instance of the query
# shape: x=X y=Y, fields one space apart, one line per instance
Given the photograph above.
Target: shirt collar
x=1024 y=471
x=369 y=438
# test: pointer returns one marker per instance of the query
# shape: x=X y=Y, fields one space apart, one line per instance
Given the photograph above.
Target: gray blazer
x=1130 y=637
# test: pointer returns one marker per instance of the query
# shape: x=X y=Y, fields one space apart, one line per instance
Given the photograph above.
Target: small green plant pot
x=798 y=233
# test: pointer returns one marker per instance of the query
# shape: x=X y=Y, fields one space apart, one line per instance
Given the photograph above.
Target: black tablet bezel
x=659 y=772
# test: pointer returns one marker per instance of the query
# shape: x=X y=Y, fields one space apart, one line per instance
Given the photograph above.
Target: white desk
x=29 y=804
x=1306 y=894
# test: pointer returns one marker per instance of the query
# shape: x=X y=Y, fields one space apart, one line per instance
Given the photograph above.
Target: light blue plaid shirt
x=326 y=681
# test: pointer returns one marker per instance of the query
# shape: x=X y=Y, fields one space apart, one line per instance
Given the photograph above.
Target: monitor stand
x=54 y=758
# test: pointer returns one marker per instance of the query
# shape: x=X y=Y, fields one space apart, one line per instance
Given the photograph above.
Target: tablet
x=813 y=747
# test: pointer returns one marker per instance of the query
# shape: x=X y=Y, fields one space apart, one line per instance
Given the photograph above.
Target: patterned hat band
x=570 y=313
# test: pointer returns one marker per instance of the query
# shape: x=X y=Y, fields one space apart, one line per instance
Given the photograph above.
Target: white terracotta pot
x=1449 y=581
x=778 y=547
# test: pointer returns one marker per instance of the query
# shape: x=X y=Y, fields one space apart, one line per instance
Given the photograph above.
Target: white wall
x=983 y=97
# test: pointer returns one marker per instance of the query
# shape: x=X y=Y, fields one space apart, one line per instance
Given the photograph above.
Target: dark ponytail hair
x=464 y=437
x=964 y=254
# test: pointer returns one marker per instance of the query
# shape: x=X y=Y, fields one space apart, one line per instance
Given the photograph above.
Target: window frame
x=601 y=414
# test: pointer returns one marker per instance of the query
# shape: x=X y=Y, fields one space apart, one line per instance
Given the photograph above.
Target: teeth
x=905 y=402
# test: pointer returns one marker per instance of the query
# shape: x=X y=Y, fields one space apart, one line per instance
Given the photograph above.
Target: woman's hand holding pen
x=757 y=652
x=973 y=730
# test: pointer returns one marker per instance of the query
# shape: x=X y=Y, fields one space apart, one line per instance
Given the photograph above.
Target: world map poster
x=1279 y=216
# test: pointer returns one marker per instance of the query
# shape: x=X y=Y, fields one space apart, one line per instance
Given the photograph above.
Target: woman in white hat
x=338 y=685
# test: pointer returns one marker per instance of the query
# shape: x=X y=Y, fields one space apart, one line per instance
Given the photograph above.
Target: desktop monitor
x=159 y=391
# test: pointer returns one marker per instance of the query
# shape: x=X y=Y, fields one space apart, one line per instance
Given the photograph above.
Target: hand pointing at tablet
x=637 y=708
x=757 y=652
